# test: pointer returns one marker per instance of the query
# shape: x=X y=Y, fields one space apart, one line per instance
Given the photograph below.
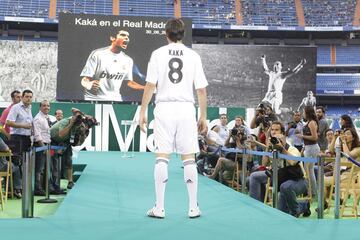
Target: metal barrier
x=275 y=155
x=28 y=169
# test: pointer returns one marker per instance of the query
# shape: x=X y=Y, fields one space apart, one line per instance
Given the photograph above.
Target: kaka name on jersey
x=178 y=53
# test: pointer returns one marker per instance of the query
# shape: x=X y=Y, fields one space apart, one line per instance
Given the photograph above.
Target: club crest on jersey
x=178 y=53
x=116 y=76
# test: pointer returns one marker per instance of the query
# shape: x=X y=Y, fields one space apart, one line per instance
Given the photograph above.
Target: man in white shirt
x=41 y=138
x=106 y=69
x=173 y=71
x=223 y=129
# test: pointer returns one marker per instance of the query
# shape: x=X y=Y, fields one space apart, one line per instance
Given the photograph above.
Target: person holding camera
x=226 y=164
x=69 y=132
x=293 y=128
x=290 y=177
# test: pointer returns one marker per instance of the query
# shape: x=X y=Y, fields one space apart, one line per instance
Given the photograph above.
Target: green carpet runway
x=113 y=194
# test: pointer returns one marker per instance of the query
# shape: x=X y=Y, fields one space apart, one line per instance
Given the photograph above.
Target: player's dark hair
x=12 y=94
x=175 y=29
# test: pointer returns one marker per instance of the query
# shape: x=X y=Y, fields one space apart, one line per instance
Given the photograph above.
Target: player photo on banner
x=104 y=58
x=246 y=76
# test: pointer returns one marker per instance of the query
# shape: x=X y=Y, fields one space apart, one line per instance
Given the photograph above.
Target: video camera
x=89 y=121
x=239 y=131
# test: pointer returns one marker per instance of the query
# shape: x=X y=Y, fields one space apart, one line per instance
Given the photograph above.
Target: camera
x=274 y=140
x=239 y=131
x=87 y=120
x=202 y=142
x=292 y=125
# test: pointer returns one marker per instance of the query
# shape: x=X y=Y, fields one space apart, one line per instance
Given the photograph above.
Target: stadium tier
x=327 y=83
x=85 y=6
x=270 y=13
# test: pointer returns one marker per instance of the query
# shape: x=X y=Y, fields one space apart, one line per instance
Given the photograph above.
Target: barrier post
x=320 y=212
x=243 y=170
x=337 y=179
x=28 y=184
x=47 y=198
x=275 y=178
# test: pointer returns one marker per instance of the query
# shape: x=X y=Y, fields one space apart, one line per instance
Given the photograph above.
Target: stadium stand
x=329 y=12
x=24 y=8
x=348 y=55
x=269 y=13
x=337 y=110
x=159 y=8
x=323 y=54
x=342 y=82
x=84 y=6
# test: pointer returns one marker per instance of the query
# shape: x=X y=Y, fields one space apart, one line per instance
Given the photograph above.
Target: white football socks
x=161 y=177
x=191 y=180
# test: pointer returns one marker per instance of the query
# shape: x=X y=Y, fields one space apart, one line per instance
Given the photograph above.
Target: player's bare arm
x=296 y=69
x=202 y=98
x=148 y=93
x=134 y=85
x=265 y=66
x=90 y=84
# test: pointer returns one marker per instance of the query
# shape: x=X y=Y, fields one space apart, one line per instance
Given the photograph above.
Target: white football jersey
x=175 y=69
x=111 y=69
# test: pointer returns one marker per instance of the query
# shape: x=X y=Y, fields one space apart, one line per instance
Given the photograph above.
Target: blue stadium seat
x=323 y=54
x=346 y=82
x=329 y=12
x=85 y=6
x=269 y=13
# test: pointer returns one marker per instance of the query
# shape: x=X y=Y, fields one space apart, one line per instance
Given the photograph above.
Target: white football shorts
x=175 y=128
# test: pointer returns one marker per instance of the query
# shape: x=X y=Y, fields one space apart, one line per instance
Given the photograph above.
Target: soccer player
x=106 y=69
x=173 y=71
x=277 y=78
x=309 y=100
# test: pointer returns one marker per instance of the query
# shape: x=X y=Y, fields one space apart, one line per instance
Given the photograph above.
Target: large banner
x=247 y=75
x=28 y=65
x=104 y=58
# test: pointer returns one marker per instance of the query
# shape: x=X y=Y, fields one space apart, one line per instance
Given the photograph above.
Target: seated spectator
x=346 y=122
x=291 y=180
x=225 y=165
x=15 y=170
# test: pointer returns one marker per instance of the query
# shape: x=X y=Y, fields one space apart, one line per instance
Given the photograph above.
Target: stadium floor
x=112 y=195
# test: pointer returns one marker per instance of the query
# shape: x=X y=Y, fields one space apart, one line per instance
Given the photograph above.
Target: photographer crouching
x=225 y=165
x=69 y=132
x=290 y=177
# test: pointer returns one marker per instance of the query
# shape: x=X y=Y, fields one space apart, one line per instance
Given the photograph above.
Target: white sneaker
x=156 y=213
x=194 y=212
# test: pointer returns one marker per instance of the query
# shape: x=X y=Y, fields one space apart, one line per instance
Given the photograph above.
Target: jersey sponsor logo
x=177 y=53
x=116 y=76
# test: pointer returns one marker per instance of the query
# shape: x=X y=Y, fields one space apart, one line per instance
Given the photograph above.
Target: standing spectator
x=323 y=126
x=293 y=128
x=223 y=129
x=41 y=138
x=20 y=120
x=16 y=98
x=59 y=115
x=311 y=149
x=57 y=169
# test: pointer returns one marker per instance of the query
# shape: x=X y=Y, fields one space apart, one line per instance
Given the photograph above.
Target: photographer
x=262 y=119
x=69 y=132
x=293 y=128
x=290 y=177
x=225 y=165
